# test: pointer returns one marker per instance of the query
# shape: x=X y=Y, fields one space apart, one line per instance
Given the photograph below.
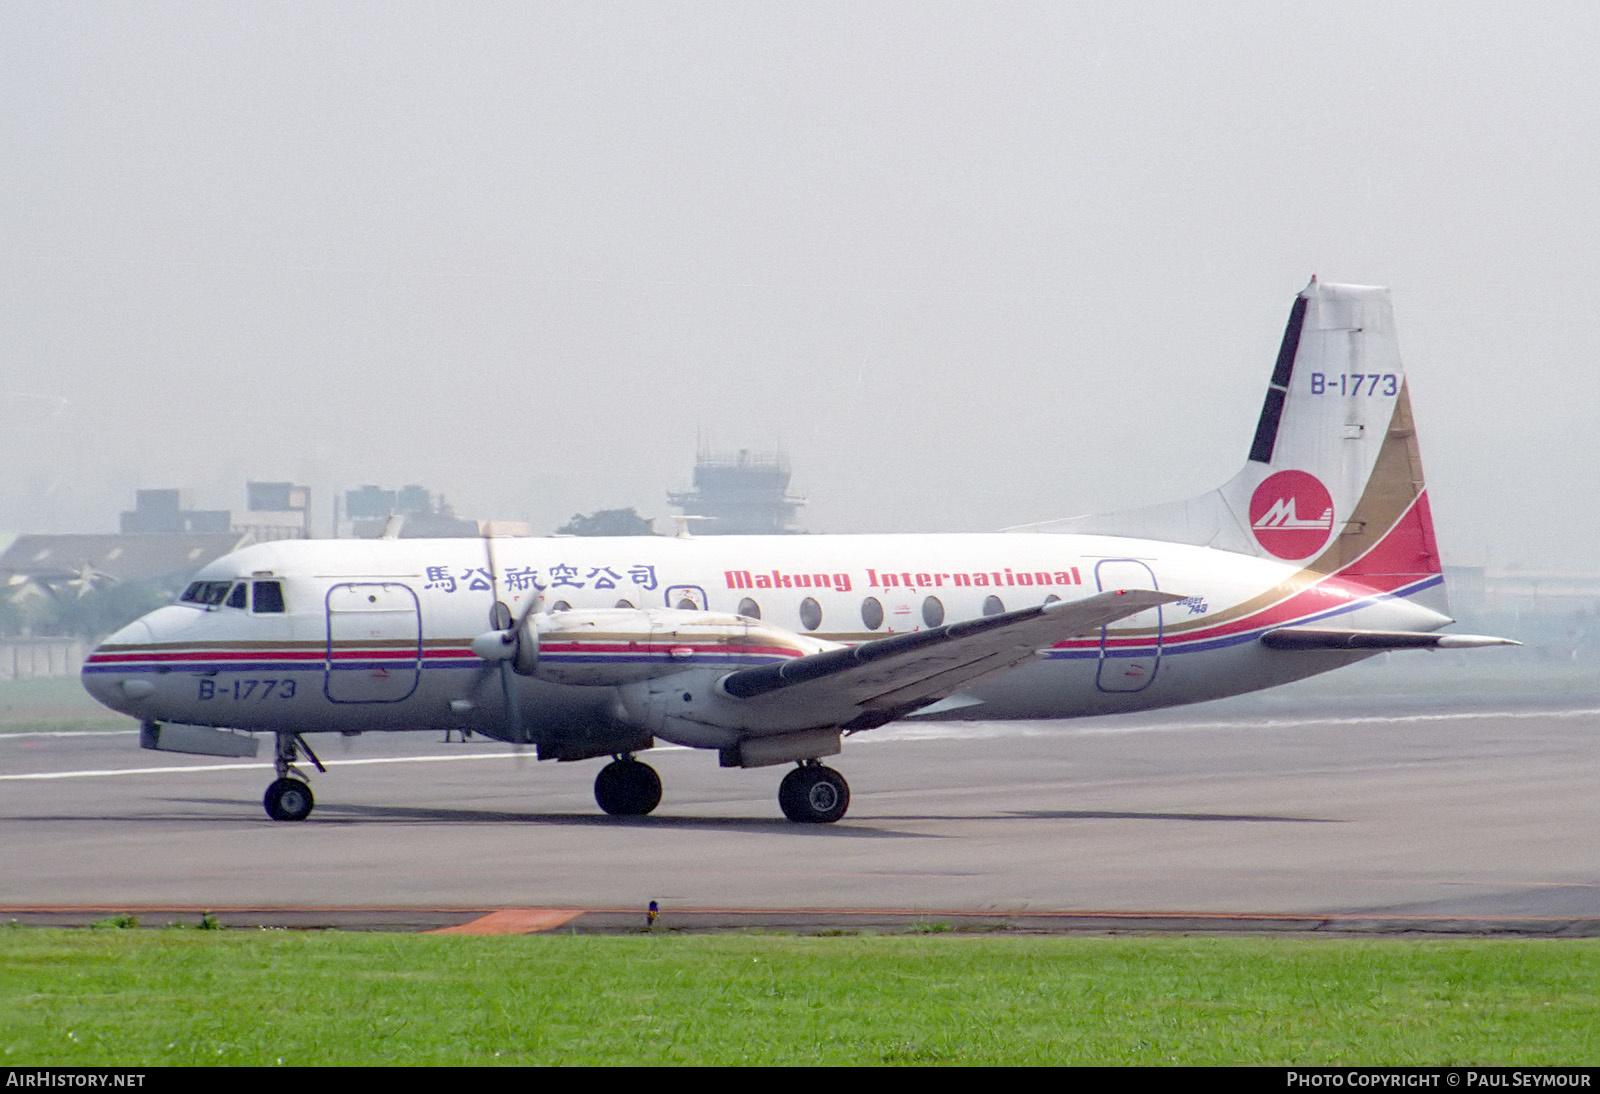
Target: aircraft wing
x=891 y=677
x=1319 y=638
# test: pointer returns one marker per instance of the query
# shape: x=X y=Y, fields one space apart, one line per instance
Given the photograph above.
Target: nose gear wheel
x=288 y=800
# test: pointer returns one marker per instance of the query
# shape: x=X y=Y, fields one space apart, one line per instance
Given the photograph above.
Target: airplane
x=770 y=650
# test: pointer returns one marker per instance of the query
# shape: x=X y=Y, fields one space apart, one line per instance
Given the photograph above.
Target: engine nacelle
x=666 y=665
x=691 y=708
x=609 y=647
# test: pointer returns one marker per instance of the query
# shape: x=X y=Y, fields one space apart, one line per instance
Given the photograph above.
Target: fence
x=26 y=658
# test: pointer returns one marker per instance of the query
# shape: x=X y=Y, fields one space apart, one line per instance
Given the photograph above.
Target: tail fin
x=1334 y=477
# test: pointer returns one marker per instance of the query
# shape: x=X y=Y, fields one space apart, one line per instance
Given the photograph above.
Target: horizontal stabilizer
x=1316 y=638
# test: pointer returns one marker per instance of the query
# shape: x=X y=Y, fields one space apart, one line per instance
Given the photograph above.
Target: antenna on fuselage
x=682 y=520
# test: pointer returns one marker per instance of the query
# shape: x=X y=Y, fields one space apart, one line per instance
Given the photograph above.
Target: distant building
x=368 y=510
x=167 y=512
x=275 y=510
x=743 y=494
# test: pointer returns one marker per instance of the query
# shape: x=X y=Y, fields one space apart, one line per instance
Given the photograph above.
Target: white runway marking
x=1124 y=723
x=254 y=766
x=68 y=733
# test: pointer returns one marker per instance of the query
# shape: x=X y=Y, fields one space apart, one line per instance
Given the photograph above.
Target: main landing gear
x=814 y=794
x=289 y=799
x=810 y=794
x=627 y=788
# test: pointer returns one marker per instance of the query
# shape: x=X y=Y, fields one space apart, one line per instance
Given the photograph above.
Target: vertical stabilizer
x=1334 y=478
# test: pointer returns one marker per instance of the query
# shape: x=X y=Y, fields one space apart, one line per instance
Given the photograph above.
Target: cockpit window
x=267 y=596
x=236 y=598
x=207 y=594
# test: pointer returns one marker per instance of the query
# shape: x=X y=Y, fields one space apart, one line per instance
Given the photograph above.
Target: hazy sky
x=970 y=265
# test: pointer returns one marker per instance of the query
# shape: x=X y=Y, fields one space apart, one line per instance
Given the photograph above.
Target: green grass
x=150 y=997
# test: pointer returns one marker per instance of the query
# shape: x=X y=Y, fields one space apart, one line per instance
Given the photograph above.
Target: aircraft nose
x=110 y=673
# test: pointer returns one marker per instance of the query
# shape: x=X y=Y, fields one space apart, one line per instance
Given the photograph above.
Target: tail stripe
x=1392 y=509
x=1266 y=438
x=1267 y=426
x=1291 y=344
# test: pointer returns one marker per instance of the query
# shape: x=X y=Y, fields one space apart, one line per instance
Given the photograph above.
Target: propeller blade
x=504 y=645
x=524 y=639
x=508 y=684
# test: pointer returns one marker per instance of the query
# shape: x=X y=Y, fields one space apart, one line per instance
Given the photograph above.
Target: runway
x=1281 y=817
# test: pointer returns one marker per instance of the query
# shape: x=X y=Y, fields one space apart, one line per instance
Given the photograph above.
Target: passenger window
x=749 y=609
x=872 y=613
x=237 y=597
x=810 y=614
x=933 y=611
x=992 y=605
x=560 y=606
x=624 y=604
x=267 y=596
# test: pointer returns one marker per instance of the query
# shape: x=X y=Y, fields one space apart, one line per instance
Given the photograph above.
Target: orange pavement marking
x=514 y=921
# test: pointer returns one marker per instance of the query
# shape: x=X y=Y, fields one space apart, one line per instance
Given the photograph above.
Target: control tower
x=745 y=494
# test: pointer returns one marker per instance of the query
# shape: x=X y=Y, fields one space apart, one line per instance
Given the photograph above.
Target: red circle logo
x=1291 y=514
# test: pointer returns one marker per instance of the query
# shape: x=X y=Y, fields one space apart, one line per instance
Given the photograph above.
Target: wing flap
x=907 y=671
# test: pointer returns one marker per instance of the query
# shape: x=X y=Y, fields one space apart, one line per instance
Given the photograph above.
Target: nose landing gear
x=290 y=799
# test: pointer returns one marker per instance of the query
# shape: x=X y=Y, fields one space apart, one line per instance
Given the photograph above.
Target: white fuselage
x=376 y=635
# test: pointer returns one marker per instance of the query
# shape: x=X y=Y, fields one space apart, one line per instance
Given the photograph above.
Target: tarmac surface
x=1352 y=816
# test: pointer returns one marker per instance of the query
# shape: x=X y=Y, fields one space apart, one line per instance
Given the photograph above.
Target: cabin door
x=374 y=652
x=1130 y=649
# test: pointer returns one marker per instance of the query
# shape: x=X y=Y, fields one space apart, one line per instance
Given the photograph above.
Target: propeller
x=504 y=646
x=508 y=648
